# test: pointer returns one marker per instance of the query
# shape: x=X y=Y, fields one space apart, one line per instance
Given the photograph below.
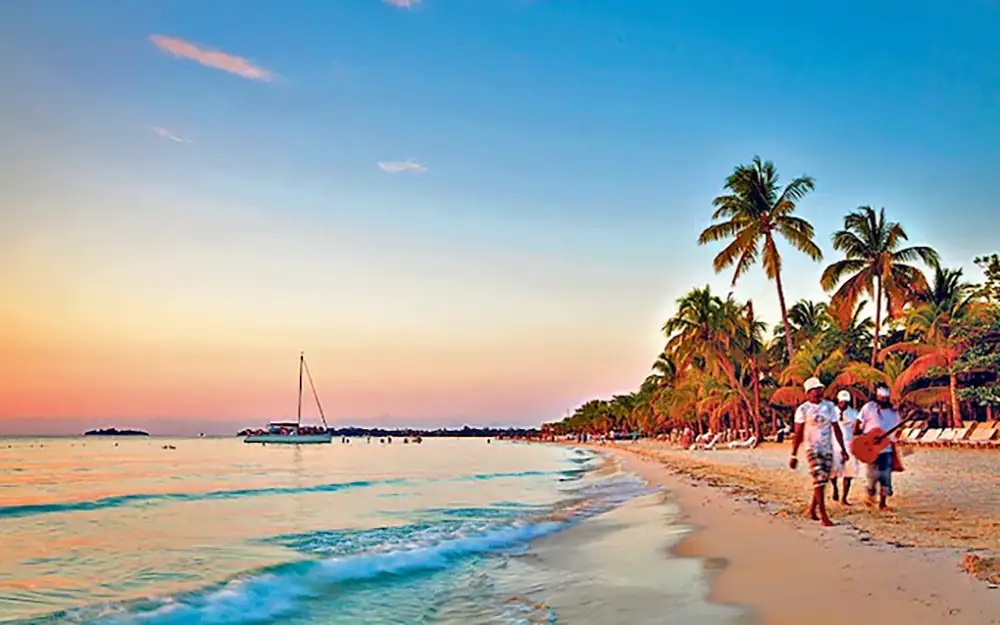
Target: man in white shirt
x=814 y=421
x=879 y=414
x=848 y=470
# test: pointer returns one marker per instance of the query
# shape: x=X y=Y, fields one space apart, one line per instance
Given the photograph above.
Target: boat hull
x=290 y=439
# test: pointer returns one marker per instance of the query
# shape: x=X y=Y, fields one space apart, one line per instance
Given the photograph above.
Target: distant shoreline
x=115 y=432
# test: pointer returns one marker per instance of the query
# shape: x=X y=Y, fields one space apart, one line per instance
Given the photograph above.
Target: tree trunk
x=784 y=316
x=878 y=319
x=758 y=431
x=956 y=408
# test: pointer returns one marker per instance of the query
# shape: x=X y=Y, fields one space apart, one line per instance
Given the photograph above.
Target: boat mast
x=302 y=359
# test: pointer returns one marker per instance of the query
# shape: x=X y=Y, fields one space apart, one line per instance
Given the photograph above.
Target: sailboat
x=293 y=432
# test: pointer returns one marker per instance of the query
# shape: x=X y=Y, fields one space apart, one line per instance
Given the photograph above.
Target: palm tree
x=808 y=319
x=754 y=210
x=753 y=351
x=852 y=335
x=712 y=337
x=929 y=326
x=812 y=359
x=875 y=265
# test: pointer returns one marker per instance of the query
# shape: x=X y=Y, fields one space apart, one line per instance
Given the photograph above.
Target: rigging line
x=315 y=394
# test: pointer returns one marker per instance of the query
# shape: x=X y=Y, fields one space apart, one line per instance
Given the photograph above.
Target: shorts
x=880 y=474
x=845 y=469
x=820 y=466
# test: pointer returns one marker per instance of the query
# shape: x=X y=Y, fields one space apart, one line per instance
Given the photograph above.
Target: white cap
x=812 y=383
x=844 y=395
x=882 y=392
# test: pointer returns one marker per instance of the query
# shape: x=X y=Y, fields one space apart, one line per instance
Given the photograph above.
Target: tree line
x=894 y=315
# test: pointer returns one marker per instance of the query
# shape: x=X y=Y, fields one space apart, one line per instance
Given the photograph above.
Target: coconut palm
x=812 y=359
x=875 y=264
x=852 y=335
x=754 y=210
x=929 y=326
x=808 y=320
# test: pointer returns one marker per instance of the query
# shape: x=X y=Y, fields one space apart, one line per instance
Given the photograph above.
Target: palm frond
x=923 y=253
x=833 y=274
x=719 y=231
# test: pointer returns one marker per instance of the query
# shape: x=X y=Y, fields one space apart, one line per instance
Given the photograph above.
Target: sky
x=463 y=211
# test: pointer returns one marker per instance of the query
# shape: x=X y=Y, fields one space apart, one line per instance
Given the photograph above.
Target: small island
x=115 y=432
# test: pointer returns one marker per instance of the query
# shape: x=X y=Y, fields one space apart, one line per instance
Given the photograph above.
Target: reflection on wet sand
x=619 y=568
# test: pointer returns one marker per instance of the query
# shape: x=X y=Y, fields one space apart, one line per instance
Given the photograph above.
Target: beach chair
x=929 y=437
x=750 y=443
x=712 y=443
x=961 y=434
x=945 y=438
x=982 y=437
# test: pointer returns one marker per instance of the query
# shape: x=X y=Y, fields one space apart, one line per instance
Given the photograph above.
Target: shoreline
x=787 y=570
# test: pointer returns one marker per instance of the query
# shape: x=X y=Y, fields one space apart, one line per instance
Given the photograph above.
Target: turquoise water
x=130 y=531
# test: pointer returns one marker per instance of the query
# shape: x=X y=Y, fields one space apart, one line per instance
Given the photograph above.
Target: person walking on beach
x=879 y=414
x=847 y=470
x=814 y=424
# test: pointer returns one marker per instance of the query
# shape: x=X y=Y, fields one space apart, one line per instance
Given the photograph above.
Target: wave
x=118 y=501
x=281 y=591
x=340 y=564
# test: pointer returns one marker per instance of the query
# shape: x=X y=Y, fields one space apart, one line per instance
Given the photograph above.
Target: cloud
x=211 y=58
x=166 y=134
x=400 y=167
x=403 y=4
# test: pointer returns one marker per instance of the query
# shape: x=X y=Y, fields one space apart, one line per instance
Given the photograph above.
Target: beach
x=905 y=566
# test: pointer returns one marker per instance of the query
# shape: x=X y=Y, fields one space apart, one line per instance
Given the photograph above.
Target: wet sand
x=618 y=568
x=748 y=510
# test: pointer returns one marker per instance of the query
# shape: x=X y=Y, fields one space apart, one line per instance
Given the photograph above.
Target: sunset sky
x=463 y=211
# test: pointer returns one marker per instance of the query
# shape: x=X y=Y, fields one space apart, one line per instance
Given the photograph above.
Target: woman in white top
x=849 y=469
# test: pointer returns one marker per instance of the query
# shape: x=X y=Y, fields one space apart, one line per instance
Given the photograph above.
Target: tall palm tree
x=875 y=264
x=753 y=211
x=929 y=326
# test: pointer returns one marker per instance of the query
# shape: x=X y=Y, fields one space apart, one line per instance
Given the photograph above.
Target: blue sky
x=566 y=155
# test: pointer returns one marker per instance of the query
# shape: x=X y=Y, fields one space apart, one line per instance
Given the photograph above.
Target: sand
x=747 y=510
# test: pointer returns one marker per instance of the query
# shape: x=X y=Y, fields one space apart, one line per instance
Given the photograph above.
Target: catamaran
x=293 y=432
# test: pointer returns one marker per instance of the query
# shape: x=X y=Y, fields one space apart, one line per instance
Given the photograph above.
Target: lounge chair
x=961 y=434
x=945 y=437
x=929 y=437
x=982 y=437
x=712 y=443
x=750 y=443
x=916 y=433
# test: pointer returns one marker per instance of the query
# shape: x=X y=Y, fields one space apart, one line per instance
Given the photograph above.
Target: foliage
x=990 y=289
x=875 y=265
x=939 y=346
x=981 y=332
x=752 y=211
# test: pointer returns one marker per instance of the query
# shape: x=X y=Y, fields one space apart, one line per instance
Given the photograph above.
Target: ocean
x=152 y=531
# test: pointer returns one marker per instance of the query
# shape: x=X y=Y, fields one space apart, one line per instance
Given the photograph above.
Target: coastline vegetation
x=894 y=315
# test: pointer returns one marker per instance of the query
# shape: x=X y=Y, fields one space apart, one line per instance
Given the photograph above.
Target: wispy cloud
x=403 y=4
x=166 y=134
x=212 y=58
x=400 y=167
